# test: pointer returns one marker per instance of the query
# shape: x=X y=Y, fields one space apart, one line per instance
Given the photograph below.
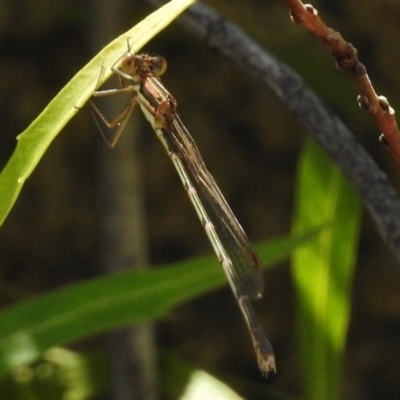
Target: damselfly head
x=143 y=65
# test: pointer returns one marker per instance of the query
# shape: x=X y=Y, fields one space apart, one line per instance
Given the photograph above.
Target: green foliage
x=323 y=270
x=31 y=328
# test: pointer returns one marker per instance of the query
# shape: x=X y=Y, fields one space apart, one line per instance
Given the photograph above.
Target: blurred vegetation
x=251 y=145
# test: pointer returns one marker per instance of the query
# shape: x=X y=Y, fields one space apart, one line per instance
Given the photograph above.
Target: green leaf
x=323 y=270
x=30 y=328
x=33 y=142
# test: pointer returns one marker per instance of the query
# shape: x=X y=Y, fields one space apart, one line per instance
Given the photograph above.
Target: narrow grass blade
x=30 y=328
x=323 y=270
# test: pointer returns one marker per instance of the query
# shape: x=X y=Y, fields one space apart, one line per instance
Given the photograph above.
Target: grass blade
x=30 y=328
x=323 y=270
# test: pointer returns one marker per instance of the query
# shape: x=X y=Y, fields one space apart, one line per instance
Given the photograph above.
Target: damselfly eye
x=128 y=63
x=159 y=65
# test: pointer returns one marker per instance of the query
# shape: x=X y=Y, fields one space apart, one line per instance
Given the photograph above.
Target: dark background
x=250 y=144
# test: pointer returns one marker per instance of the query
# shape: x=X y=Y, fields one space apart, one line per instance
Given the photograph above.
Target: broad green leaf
x=323 y=270
x=30 y=328
x=33 y=142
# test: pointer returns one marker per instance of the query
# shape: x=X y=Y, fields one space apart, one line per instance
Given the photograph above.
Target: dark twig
x=325 y=126
x=347 y=60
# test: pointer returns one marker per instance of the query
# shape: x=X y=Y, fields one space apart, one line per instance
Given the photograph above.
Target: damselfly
x=141 y=75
